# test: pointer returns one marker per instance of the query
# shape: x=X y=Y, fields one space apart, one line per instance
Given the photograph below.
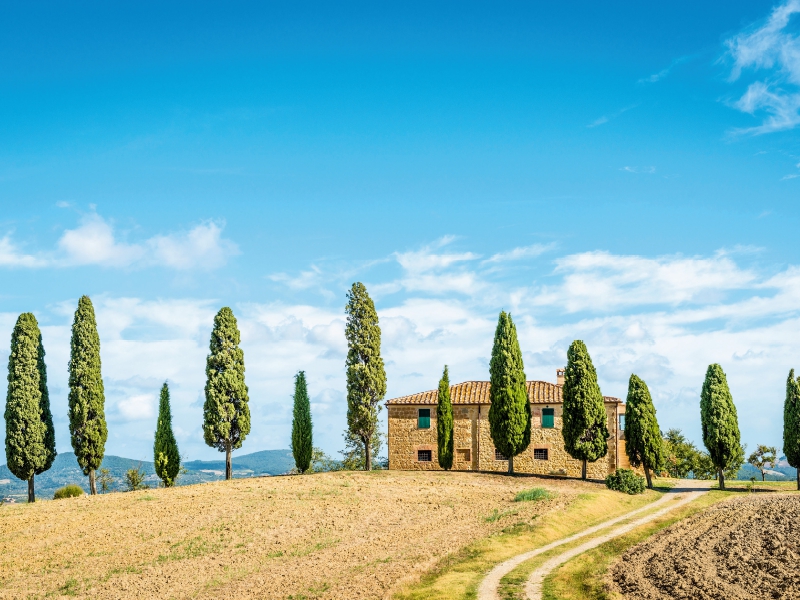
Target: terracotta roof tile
x=477 y=392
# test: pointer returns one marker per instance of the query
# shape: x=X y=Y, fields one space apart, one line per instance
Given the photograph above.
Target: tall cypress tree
x=585 y=428
x=30 y=438
x=720 y=423
x=302 y=429
x=166 y=458
x=366 y=377
x=510 y=410
x=444 y=423
x=643 y=443
x=791 y=423
x=226 y=414
x=87 y=419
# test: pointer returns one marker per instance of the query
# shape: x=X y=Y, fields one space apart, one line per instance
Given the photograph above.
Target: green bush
x=68 y=491
x=533 y=495
x=625 y=480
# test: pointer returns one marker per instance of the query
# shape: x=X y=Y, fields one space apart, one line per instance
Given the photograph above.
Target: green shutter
x=548 y=418
x=424 y=420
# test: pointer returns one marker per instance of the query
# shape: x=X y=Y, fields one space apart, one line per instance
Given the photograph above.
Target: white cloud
x=10 y=256
x=656 y=77
x=601 y=281
x=770 y=47
x=94 y=242
x=137 y=408
x=647 y=170
x=520 y=253
x=606 y=118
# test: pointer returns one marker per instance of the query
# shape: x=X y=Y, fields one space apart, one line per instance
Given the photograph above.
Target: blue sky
x=621 y=173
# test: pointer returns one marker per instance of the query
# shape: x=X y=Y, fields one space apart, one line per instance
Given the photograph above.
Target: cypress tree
x=585 y=429
x=87 y=419
x=510 y=410
x=30 y=437
x=791 y=423
x=366 y=377
x=226 y=414
x=720 y=423
x=166 y=458
x=302 y=429
x=444 y=423
x=643 y=443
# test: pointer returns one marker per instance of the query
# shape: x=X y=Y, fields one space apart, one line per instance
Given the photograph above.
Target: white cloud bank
x=95 y=242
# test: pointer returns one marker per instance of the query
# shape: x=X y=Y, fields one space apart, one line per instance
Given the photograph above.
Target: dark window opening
x=424 y=455
x=499 y=455
x=424 y=418
x=548 y=418
x=540 y=454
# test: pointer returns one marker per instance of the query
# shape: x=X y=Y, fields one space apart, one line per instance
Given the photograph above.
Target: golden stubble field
x=327 y=535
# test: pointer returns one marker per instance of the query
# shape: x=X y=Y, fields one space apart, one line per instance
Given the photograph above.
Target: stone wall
x=406 y=438
x=474 y=449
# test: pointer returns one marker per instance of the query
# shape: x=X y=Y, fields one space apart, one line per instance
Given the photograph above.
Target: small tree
x=353 y=456
x=720 y=423
x=791 y=423
x=763 y=458
x=105 y=479
x=87 y=418
x=585 y=429
x=134 y=479
x=680 y=454
x=302 y=443
x=643 y=443
x=226 y=414
x=166 y=458
x=30 y=438
x=366 y=376
x=510 y=409
x=444 y=423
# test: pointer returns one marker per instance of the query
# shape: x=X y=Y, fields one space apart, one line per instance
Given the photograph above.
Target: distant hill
x=781 y=472
x=65 y=470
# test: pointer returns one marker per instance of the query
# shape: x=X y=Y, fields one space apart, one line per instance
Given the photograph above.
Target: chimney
x=560 y=376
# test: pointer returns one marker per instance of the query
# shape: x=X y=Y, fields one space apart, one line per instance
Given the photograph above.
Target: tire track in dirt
x=490 y=584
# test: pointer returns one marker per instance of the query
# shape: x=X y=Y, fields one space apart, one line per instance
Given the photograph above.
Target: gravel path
x=489 y=586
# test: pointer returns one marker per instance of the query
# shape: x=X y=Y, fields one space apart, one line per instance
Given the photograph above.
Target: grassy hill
x=65 y=470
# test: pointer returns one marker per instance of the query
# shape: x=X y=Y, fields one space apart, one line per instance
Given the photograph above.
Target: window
x=424 y=418
x=548 y=418
x=424 y=455
x=464 y=454
x=499 y=455
x=540 y=454
x=622 y=422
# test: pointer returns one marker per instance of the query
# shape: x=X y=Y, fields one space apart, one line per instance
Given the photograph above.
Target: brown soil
x=329 y=535
x=744 y=548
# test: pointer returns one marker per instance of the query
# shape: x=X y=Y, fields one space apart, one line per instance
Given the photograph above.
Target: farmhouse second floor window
x=548 y=418
x=424 y=418
x=499 y=455
x=425 y=455
x=540 y=454
x=622 y=422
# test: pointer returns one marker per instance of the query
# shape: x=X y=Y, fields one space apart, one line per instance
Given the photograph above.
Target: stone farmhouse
x=412 y=432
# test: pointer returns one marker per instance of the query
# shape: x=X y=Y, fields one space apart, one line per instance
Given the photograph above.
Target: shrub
x=68 y=491
x=533 y=495
x=134 y=480
x=625 y=480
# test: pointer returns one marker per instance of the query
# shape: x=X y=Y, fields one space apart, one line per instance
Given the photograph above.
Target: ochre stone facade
x=473 y=446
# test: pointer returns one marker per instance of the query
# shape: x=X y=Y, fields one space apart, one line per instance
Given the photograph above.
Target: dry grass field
x=328 y=535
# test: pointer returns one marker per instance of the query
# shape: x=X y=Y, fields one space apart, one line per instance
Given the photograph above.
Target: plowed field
x=746 y=548
x=328 y=535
